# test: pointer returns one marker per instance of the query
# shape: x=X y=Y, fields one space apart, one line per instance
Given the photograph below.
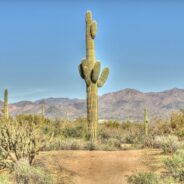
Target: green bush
x=112 y=124
x=134 y=137
x=90 y=146
x=169 y=144
x=112 y=145
x=26 y=174
x=144 y=178
x=4 y=179
x=175 y=165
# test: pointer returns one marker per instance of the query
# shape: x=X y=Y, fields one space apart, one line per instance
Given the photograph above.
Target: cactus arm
x=81 y=71
x=93 y=29
x=96 y=72
x=103 y=77
x=86 y=72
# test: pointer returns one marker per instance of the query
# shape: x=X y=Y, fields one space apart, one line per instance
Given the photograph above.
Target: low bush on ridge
x=169 y=143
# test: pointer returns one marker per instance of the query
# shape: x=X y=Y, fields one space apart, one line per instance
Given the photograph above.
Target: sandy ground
x=93 y=167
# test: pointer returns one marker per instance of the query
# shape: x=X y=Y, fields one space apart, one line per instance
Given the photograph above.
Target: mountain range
x=120 y=105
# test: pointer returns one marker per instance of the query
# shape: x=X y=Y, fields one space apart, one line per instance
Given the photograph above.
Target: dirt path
x=92 y=167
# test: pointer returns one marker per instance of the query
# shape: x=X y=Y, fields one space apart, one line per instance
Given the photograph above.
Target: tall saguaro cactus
x=5 y=110
x=90 y=71
x=146 y=122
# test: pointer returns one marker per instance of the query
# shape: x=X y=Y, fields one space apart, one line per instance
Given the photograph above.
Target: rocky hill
x=127 y=103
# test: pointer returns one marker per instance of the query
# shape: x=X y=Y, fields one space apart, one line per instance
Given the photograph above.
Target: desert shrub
x=112 y=124
x=26 y=174
x=35 y=119
x=90 y=146
x=177 y=122
x=160 y=127
x=133 y=133
x=134 y=137
x=75 y=129
x=112 y=144
x=144 y=178
x=65 y=144
x=70 y=131
x=149 y=141
x=4 y=179
x=175 y=165
x=167 y=180
x=106 y=133
x=19 y=140
x=126 y=125
x=169 y=143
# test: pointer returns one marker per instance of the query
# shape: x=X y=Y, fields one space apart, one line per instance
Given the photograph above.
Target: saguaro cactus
x=146 y=122
x=5 y=110
x=90 y=71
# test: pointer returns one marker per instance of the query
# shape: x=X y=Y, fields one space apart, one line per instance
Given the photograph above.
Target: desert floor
x=98 y=167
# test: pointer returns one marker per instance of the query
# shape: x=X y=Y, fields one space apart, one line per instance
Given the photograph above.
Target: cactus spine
x=146 y=122
x=90 y=71
x=5 y=111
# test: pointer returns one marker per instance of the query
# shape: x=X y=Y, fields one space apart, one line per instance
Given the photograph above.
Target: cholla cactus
x=5 y=110
x=146 y=122
x=19 y=140
x=90 y=71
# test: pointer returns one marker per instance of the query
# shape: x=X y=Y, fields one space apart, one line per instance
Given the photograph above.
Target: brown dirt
x=94 y=167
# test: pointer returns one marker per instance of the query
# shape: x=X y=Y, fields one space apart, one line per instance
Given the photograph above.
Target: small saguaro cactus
x=5 y=110
x=90 y=71
x=146 y=122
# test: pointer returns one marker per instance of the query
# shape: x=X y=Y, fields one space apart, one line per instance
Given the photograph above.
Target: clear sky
x=42 y=43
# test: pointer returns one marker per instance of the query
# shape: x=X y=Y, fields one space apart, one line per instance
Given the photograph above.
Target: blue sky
x=42 y=43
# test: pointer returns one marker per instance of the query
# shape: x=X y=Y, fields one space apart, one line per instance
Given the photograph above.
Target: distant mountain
x=127 y=103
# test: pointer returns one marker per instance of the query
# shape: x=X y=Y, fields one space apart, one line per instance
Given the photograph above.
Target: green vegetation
x=24 y=136
x=90 y=71
x=4 y=179
x=144 y=178
x=19 y=139
x=27 y=174
x=175 y=165
x=149 y=178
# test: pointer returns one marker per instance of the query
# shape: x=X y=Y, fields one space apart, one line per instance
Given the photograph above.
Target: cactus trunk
x=146 y=122
x=6 y=113
x=92 y=110
x=89 y=70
